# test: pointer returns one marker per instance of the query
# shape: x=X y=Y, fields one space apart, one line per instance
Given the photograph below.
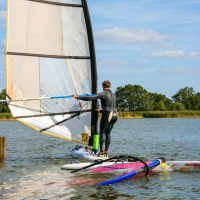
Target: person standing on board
x=109 y=113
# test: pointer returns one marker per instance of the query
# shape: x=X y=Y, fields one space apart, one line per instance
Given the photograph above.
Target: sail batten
x=53 y=114
x=50 y=52
x=57 y=3
x=47 y=56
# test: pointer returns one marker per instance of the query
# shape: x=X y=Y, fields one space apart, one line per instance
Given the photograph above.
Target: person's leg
x=107 y=129
x=101 y=139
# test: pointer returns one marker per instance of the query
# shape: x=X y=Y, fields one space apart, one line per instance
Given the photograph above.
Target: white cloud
x=2 y=15
x=169 y=54
x=2 y=71
x=167 y=44
x=119 y=64
x=2 y=45
x=176 y=54
x=194 y=54
x=124 y=36
x=181 y=70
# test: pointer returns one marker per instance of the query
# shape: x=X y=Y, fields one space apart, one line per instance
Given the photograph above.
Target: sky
x=151 y=43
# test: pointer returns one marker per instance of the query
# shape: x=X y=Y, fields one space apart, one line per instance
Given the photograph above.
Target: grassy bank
x=142 y=114
x=6 y=116
x=160 y=114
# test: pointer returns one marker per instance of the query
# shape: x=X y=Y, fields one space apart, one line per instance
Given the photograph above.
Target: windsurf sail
x=50 y=55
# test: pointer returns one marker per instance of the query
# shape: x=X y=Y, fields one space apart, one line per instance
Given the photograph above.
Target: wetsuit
x=108 y=104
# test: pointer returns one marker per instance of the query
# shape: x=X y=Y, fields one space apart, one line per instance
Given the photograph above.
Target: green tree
x=161 y=102
x=196 y=101
x=3 y=105
x=133 y=98
x=178 y=106
x=169 y=104
x=185 y=96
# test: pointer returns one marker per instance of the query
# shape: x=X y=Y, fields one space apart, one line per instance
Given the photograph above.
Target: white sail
x=50 y=53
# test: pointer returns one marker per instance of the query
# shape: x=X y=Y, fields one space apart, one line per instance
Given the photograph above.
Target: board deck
x=82 y=154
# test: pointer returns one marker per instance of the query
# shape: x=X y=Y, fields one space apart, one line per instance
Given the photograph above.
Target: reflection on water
x=31 y=169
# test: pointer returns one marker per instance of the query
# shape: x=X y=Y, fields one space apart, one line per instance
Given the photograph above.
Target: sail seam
x=47 y=56
x=58 y=4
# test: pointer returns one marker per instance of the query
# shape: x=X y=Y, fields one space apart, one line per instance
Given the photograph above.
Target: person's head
x=106 y=85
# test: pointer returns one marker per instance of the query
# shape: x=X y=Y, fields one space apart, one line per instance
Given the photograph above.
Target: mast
x=94 y=118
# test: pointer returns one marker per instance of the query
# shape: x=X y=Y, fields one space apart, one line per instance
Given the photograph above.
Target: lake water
x=31 y=169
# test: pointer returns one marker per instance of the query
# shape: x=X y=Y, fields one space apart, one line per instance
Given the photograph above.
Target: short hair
x=106 y=84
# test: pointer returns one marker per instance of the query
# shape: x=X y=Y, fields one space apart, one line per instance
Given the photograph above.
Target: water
x=31 y=169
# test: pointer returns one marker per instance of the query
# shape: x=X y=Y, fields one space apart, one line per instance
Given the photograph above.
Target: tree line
x=3 y=105
x=136 y=98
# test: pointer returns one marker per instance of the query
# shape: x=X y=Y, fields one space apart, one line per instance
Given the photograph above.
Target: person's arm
x=98 y=109
x=89 y=98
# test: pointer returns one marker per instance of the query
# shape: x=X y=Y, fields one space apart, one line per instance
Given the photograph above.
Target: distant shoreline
x=160 y=114
x=137 y=115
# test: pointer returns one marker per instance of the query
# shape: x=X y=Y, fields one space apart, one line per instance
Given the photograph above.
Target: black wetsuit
x=108 y=104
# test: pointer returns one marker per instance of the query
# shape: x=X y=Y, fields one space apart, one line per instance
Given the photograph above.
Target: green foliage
x=184 y=96
x=6 y=116
x=133 y=98
x=179 y=106
x=195 y=101
x=161 y=102
x=136 y=98
x=3 y=105
x=188 y=98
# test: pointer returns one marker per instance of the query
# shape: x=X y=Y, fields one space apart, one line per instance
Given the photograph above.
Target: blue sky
x=151 y=43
